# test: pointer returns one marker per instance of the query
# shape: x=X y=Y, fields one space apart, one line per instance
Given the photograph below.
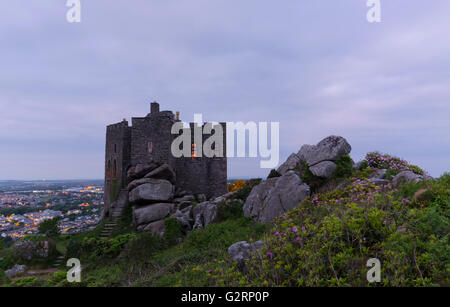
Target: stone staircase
x=58 y=261
x=111 y=224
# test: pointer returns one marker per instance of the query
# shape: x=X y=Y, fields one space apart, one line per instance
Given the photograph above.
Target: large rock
x=240 y=251
x=275 y=196
x=323 y=169
x=151 y=213
x=329 y=149
x=140 y=170
x=291 y=163
x=157 y=227
x=185 y=219
x=163 y=172
x=137 y=182
x=15 y=271
x=405 y=177
x=204 y=213
x=29 y=250
x=156 y=190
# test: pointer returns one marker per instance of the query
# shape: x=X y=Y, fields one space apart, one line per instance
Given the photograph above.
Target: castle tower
x=117 y=160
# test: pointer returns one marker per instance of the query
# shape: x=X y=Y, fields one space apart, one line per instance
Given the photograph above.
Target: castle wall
x=117 y=160
x=149 y=138
x=203 y=175
x=154 y=129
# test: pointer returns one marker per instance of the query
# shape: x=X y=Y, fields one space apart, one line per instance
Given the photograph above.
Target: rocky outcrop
x=405 y=177
x=323 y=169
x=319 y=158
x=162 y=172
x=240 y=251
x=29 y=250
x=140 y=170
x=155 y=190
x=329 y=149
x=206 y=212
x=292 y=162
x=16 y=270
x=275 y=196
x=143 y=215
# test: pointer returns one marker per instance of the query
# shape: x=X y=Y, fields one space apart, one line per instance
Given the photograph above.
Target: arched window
x=194 y=151
x=115 y=169
x=108 y=169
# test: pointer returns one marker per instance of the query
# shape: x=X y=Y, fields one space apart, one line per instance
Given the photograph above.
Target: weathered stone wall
x=154 y=128
x=128 y=146
x=203 y=175
x=117 y=160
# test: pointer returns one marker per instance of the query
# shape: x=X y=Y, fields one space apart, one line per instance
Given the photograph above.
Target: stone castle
x=149 y=140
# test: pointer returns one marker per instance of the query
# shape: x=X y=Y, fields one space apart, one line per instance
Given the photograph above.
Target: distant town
x=25 y=204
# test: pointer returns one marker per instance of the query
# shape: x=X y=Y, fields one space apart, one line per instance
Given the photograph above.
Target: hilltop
x=314 y=221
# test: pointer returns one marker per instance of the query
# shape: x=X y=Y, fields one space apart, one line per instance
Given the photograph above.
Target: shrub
x=172 y=232
x=328 y=239
x=344 y=167
x=237 y=184
x=231 y=210
x=385 y=161
x=49 y=227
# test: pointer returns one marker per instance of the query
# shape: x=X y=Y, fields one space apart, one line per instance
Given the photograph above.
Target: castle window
x=150 y=147
x=115 y=148
x=115 y=169
x=194 y=151
x=108 y=169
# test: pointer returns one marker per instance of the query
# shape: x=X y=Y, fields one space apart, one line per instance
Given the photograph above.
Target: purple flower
x=297 y=239
x=210 y=271
x=269 y=255
x=227 y=260
x=405 y=201
x=277 y=234
x=294 y=229
x=303 y=228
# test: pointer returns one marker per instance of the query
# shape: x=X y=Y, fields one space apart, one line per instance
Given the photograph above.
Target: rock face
x=323 y=169
x=157 y=228
x=292 y=162
x=319 y=158
x=242 y=250
x=147 y=214
x=163 y=172
x=156 y=190
x=405 y=177
x=140 y=170
x=15 y=271
x=29 y=250
x=204 y=213
x=275 y=196
x=329 y=149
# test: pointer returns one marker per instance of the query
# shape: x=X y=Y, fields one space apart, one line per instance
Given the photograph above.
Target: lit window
x=194 y=151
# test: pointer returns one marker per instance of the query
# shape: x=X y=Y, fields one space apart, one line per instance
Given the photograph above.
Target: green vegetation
x=328 y=239
x=49 y=227
x=325 y=241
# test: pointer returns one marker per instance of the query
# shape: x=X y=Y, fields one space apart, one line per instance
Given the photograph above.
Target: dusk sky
x=317 y=67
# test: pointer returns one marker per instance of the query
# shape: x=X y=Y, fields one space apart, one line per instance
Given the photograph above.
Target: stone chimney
x=154 y=107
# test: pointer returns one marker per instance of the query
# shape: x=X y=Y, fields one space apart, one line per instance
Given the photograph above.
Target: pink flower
x=227 y=260
x=269 y=255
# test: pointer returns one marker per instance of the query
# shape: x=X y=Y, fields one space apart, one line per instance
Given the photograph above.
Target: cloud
x=317 y=67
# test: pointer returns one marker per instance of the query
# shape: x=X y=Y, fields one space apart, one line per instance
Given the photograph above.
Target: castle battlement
x=149 y=139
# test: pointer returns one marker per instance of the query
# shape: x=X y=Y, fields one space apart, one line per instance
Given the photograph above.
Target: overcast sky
x=317 y=67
